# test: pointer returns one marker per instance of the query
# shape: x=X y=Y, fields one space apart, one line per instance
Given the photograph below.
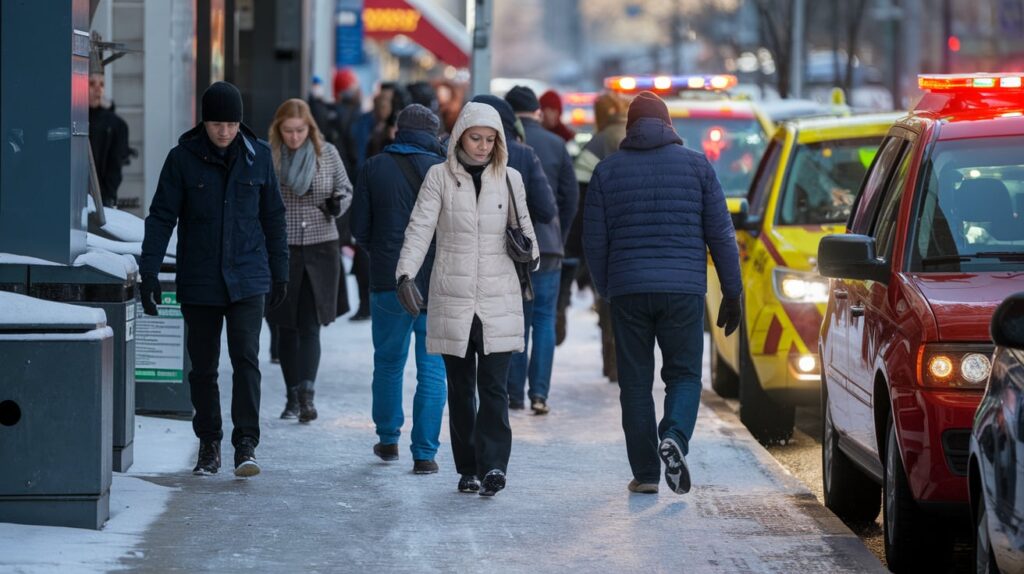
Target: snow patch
x=117 y=265
x=24 y=260
x=25 y=311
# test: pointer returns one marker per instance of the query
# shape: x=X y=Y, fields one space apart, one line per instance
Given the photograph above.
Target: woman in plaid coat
x=316 y=190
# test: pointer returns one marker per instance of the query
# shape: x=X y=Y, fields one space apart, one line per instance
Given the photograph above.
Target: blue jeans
x=676 y=321
x=392 y=329
x=539 y=316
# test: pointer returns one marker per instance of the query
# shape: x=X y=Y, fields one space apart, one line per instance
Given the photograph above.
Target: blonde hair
x=291 y=109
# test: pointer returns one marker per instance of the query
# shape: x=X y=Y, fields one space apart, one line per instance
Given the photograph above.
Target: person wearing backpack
x=386 y=191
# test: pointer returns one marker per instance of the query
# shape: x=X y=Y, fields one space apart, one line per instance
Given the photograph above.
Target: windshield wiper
x=940 y=259
x=1001 y=255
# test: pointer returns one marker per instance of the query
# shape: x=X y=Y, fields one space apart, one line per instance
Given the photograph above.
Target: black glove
x=331 y=207
x=150 y=294
x=409 y=296
x=729 y=314
x=277 y=294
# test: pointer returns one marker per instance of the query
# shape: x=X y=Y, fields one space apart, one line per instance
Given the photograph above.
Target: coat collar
x=192 y=140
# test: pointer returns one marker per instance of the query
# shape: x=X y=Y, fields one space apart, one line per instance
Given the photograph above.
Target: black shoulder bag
x=518 y=246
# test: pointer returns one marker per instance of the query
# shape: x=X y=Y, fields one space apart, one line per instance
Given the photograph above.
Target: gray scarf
x=467 y=159
x=298 y=167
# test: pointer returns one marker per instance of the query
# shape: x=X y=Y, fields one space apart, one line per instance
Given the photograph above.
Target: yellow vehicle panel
x=784 y=298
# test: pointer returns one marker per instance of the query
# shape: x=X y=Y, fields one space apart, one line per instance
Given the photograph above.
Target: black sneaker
x=469 y=483
x=677 y=474
x=209 y=458
x=424 y=466
x=492 y=483
x=539 y=405
x=386 y=452
x=245 y=458
x=516 y=405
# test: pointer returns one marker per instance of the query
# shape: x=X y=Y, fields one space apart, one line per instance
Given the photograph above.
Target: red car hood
x=963 y=303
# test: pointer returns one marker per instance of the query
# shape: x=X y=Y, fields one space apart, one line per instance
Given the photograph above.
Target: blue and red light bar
x=970 y=82
x=669 y=84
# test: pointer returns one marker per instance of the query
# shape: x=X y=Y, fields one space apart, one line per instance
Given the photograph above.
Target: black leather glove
x=729 y=314
x=277 y=294
x=150 y=294
x=409 y=296
x=331 y=207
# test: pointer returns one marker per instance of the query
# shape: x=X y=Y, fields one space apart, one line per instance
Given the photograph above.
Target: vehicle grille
x=956 y=445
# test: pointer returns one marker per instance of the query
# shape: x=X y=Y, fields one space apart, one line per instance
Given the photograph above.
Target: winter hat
x=608 y=107
x=418 y=117
x=508 y=117
x=522 y=99
x=647 y=105
x=222 y=102
x=551 y=99
x=343 y=80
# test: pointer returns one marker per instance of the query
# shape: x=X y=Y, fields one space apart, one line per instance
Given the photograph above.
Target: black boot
x=307 y=410
x=291 y=408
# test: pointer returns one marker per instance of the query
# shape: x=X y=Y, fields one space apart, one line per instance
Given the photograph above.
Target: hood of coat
x=649 y=133
x=477 y=114
x=192 y=140
x=508 y=117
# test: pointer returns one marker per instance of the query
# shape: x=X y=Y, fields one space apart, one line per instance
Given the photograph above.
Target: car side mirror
x=850 y=256
x=739 y=210
x=1007 y=326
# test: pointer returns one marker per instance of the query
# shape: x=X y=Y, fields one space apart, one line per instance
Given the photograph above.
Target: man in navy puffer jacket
x=653 y=209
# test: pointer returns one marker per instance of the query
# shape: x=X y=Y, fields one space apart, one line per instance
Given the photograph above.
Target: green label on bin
x=160 y=343
x=158 y=376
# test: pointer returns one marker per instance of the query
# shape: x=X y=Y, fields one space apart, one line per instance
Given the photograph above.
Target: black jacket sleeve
x=540 y=200
x=361 y=220
x=163 y=216
x=568 y=195
x=274 y=227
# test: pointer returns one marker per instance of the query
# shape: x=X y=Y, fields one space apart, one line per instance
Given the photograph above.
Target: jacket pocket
x=247 y=198
x=200 y=202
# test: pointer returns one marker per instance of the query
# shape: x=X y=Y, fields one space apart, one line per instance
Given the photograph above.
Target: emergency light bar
x=663 y=84
x=969 y=82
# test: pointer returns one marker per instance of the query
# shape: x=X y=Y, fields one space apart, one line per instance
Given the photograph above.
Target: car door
x=844 y=329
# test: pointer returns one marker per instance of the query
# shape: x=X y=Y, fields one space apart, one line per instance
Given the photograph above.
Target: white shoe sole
x=247 y=469
x=677 y=475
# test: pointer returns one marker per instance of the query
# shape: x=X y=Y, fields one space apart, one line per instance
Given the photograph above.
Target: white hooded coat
x=473 y=274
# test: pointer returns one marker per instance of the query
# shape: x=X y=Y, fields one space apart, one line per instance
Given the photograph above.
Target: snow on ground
x=135 y=504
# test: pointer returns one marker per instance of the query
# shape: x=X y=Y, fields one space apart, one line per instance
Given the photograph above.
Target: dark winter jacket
x=540 y=199
x=108 y=137
x=383 y=203
x=602 y=145
x=232 y=241
x=653 y=210
x=558 y=169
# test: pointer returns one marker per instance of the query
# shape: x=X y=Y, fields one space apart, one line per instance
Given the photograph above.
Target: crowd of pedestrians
x=467 y=225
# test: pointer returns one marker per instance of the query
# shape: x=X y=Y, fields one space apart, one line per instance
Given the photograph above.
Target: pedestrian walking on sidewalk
x=653 y=210
x=385 y=194
x=475 y=313
x=316 y=191
x=219 y=188
x=537 y=361
x=610 y=121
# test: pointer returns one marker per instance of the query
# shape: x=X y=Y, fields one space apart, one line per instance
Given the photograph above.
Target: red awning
x=427 y=25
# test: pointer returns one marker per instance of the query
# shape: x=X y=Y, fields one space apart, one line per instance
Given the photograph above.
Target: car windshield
x=822 y=180
x=971 y=214
x=734 y=146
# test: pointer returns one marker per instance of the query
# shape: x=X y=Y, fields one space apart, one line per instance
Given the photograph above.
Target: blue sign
x=348 y=22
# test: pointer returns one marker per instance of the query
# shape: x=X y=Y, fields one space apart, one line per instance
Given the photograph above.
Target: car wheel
x=766 y=419
x=849 y=493
x=724 y=380
x=913 y=540
x=984 y=556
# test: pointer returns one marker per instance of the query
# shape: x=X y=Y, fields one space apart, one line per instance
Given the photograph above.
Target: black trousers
x=205 y=323
x=481 y=439
x=300 y=347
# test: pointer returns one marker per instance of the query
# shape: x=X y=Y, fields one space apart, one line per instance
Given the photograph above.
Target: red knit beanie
x=343 y=80
x=647 y=105
x=551 y=99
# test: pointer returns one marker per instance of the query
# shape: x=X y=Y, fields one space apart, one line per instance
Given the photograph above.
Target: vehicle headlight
x=954 y=366
x=800 y=286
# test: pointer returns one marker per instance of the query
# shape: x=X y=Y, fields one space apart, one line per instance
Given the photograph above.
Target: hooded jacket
x=473 y=274
x=653 y=210
x=232 y=241
x=384 y=202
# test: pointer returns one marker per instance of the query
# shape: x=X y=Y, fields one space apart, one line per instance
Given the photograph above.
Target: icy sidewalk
x=324 y=503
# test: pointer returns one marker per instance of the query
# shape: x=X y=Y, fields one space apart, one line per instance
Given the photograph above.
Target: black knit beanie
x=647 y=105
x=222 y=102
x=522 y=99
x=418 y=117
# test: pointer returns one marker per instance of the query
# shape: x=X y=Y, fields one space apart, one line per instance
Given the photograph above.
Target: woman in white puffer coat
x=475 y=313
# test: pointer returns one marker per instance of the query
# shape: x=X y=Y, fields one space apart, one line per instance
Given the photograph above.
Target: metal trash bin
x=13 y=277
x=105 y=281
x=162 y=363
x=56 y=403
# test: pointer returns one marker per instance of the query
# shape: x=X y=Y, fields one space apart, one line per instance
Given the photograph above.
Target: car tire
x=724 y=380
x=852 y=495
x=914 y=541
x=766 y=419
x=984 y=556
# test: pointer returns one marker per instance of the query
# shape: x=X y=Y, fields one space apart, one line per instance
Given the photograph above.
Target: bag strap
x=512 y=202
x=414 y=179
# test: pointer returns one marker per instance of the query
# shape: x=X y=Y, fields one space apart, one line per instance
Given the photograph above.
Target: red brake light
x=714 y=142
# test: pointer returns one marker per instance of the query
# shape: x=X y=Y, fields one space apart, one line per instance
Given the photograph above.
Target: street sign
x=348 y=21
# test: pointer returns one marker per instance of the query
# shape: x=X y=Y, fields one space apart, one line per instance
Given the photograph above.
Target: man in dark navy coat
x=219 y=188
x=653 y=210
